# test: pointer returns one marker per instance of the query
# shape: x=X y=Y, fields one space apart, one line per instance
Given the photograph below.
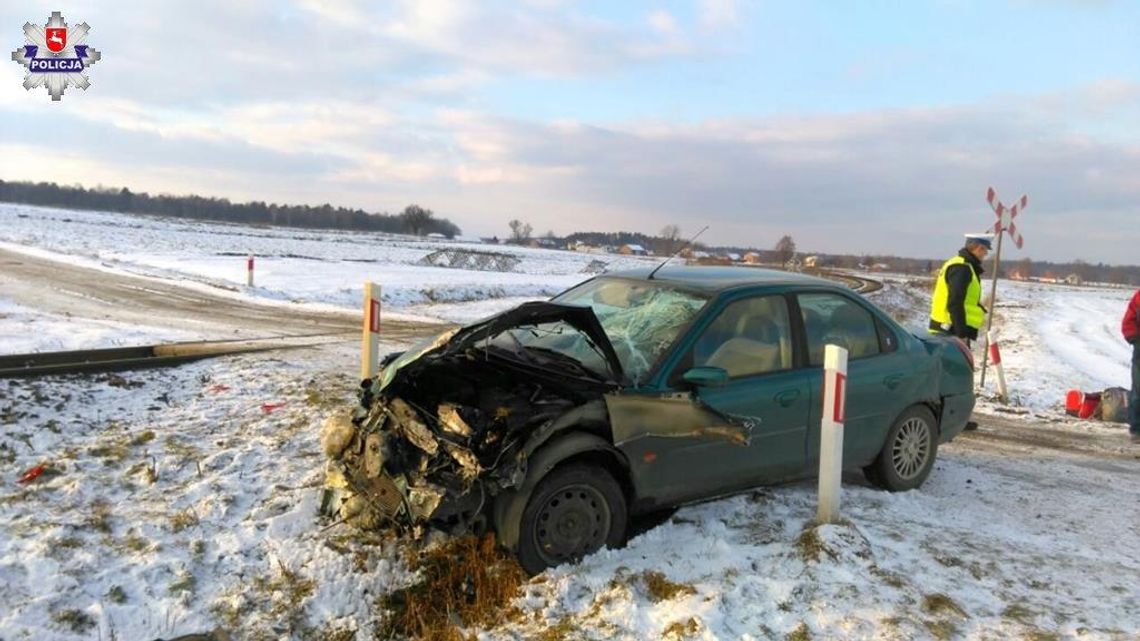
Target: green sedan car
x=553 y=423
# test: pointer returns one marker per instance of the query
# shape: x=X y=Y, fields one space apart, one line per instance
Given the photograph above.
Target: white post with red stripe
x=249 y=271
x=370 y=341
x=995 y=358
x=831 y=432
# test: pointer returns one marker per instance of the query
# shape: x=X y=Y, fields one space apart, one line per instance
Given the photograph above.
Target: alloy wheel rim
x=571 y=523
x=911 y=448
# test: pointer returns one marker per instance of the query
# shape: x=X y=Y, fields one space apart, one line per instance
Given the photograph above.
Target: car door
x=762 y=409
x=879 y=380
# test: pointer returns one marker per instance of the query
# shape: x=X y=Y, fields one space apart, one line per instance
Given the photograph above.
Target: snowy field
x=296 y=265
x=183 y=500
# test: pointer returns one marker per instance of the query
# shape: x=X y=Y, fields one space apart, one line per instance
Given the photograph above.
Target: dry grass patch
x=186 y=582
x=941 y=630
x=564 y=630
x=810 y=546
x=941 y=604
x=681 y=630
x=287 y=590
x=662 y=589
x=77 y=621
x=142 y=438
x=100 y=517
x=801 y=633
x=181 y=520
x=464 y=583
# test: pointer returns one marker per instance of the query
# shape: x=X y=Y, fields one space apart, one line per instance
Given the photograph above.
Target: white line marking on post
x=249 y=271
x=995 y=358
x=831 y=432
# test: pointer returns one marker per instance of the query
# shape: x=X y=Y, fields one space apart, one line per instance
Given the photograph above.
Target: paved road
x=65 y=289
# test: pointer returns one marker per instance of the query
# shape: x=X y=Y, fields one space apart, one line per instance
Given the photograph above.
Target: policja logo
x=54 y=56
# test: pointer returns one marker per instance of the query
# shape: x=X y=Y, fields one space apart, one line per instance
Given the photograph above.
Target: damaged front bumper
x=368 y=488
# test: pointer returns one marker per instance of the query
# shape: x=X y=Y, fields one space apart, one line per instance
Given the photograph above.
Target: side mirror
x=706 y=376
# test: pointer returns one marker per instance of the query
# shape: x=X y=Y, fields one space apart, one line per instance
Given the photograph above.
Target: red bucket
x=1089 y=403
x=1073 y=402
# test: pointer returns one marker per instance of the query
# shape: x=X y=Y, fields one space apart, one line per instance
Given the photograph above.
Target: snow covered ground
x=184 y=499
x=292 y=264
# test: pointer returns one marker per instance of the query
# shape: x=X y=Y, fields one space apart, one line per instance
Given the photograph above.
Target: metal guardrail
x=145 y=356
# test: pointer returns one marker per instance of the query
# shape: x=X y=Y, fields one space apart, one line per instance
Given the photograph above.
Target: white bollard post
x=370 y=342
x=831 y=432
x=249 y=271
x=995 y=358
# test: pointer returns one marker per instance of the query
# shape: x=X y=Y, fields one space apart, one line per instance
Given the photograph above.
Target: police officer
x=956 y=308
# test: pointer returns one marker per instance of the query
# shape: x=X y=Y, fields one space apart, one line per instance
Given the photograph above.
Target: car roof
x=710 y=278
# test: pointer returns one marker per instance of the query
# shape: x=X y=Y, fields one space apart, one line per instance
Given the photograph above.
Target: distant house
x=1074 y=279
x=734 y=257
x=436 y=235
x=1016 y=274
x=630 y=249
x=811 y=261
x=752 y=258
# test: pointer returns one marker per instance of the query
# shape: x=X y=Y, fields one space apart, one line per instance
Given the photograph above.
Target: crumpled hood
x=580 y=317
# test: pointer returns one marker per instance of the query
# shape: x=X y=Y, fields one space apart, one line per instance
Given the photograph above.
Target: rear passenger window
x=837 y=320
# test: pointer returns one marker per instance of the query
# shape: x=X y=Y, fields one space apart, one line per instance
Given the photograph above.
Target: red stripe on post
x=249 y=264
x=374 y=316
x=995 y=355
x=840 y=397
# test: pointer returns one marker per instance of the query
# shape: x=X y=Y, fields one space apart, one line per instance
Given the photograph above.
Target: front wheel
x=908 y=453
x=574 y=511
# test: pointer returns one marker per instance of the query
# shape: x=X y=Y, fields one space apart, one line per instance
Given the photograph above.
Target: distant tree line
x=668 y=242
x=412 y=220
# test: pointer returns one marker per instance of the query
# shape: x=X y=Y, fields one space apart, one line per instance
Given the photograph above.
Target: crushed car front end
x=441 y=430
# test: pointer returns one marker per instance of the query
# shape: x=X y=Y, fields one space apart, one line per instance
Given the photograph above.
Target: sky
x=866 y=128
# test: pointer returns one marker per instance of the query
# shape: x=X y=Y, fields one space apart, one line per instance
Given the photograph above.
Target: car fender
x=509 y=505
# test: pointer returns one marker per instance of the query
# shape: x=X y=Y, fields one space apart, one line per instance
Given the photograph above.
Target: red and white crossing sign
x=1005 y=216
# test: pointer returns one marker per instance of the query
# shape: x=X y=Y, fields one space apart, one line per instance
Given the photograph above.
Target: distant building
x=752 y=258
x=630 y=249
x=811 y=261
x=734 y=257
x=1074 y=279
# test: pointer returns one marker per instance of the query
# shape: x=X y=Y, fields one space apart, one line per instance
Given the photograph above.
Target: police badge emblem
x=55 y=56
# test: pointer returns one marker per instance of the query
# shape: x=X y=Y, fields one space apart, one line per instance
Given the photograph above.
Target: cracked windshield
x=640 y=319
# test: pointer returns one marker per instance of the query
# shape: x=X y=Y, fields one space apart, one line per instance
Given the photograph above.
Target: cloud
x=718 y=13
x=906 y=181
x=663 y=22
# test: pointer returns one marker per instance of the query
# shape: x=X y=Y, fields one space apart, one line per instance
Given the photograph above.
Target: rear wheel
x=574 y=511
x=908 y=453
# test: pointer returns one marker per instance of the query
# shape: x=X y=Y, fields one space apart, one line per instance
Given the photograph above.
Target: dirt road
x=1039 y=437
x=70 y=290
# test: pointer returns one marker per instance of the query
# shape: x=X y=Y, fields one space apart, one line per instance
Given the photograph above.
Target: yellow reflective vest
x=939 y=312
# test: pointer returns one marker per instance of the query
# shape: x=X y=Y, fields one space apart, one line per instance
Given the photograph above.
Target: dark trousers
x=1134 y=399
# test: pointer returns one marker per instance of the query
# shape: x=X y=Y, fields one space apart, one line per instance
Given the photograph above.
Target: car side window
x=888 y=341
x=835 y=319
x=749 y=337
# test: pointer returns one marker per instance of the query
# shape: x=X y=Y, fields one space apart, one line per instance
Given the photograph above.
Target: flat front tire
x=574 y=511
x=908 y=453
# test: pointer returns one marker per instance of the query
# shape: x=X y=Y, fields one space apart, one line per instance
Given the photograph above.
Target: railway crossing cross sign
x=1006 y=215
x=1005 y=222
